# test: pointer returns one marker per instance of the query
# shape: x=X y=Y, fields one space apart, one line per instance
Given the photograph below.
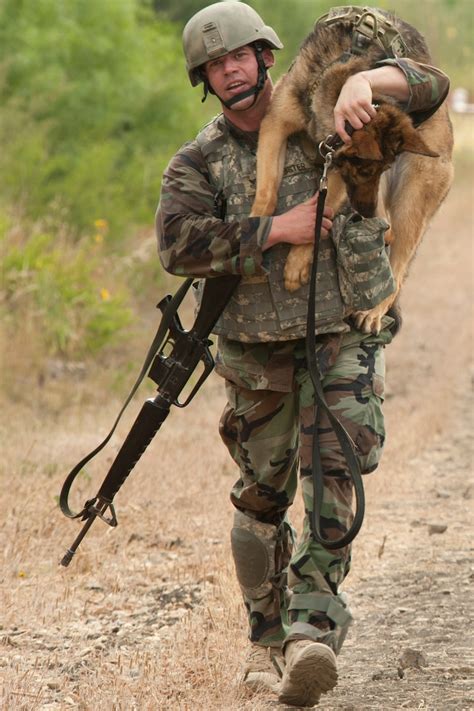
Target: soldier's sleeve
x=192 y=241
x=428 y=86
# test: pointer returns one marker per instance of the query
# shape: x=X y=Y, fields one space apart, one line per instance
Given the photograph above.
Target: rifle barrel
x=68 y=556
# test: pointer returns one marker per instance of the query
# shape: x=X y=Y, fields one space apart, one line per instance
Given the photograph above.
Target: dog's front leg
x=300 y=257
x=270 y=164
x=283 y=118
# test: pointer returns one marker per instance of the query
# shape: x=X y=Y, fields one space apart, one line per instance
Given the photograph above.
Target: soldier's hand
x=354 y=105
x=297 y=226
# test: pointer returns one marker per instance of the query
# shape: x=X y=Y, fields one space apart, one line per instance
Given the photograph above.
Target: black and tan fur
x=391 y=169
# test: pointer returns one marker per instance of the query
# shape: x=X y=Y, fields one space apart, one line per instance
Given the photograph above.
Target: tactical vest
x=261 y=309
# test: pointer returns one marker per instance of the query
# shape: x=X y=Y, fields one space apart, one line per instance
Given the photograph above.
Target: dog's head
x=373 y=149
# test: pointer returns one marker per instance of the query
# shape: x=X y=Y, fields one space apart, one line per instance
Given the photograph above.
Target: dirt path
x=149 y=616
x=412 y=644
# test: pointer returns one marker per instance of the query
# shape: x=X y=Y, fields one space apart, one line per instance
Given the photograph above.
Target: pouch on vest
x=363 y=265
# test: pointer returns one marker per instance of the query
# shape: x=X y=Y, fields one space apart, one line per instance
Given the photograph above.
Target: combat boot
x=263 y=669
x=310 y=671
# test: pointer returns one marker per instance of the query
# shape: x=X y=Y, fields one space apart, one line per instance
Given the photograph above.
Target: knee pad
x=253 y=548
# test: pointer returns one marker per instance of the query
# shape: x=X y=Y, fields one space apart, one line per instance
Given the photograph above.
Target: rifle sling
x=155 y=346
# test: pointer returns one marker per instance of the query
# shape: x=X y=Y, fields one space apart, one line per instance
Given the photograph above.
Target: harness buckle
x=367 y=24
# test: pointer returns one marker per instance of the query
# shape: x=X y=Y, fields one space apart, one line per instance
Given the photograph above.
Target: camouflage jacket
x=428 y=87
x=193 y=241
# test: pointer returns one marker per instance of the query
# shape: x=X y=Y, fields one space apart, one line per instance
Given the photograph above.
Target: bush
x=90 y=93
x=65 y=291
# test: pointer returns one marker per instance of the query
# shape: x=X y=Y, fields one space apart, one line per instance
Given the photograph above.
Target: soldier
x=297 y=614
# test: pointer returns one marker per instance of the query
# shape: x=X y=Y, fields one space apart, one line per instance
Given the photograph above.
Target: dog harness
x=369 y=25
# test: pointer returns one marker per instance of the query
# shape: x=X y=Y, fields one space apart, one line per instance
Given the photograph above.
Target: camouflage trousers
x=290 y=585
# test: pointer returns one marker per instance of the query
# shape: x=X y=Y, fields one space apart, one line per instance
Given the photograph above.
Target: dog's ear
x=413 y=143
x=364 y=145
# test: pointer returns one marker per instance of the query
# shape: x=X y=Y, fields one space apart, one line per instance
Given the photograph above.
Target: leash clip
x=323 y=183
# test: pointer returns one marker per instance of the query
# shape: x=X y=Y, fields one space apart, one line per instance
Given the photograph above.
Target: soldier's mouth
x=236 y=87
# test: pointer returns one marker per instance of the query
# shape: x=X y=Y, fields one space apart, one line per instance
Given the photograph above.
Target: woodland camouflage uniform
x=291 y=588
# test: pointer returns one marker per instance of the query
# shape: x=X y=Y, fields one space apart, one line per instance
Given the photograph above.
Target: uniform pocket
x=371 y=433
x=363 y=265
x=355 y=390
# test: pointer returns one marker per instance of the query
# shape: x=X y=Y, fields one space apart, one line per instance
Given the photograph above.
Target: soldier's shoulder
x=188 y=156
x=196 y=149
x=212 y=135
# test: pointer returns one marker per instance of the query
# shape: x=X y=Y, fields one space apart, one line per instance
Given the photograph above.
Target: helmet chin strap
x=253 y=91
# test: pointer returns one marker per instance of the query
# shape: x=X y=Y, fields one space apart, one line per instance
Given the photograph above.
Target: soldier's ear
x=413 y=143
x=268 y=57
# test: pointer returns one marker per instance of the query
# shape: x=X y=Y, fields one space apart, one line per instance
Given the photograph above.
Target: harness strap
x=369 y=25
x=332 y=605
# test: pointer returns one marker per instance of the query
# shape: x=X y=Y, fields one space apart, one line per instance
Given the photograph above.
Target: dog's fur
x=415 y=163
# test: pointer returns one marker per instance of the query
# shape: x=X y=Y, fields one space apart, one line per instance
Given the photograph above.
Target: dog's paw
x=292 y=280
x=368 y=321
x=371 y=321
x=298 y=267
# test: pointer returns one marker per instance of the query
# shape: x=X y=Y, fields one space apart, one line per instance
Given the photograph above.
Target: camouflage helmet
x=220 y=28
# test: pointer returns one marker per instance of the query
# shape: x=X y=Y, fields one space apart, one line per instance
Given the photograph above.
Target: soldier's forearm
x=428 y=86
x=206 y=247
x=388 y=80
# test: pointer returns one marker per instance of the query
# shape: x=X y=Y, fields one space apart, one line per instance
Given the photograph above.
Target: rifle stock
x=171 y=374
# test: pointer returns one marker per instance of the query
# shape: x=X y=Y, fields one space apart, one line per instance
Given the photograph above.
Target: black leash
x=344 y=439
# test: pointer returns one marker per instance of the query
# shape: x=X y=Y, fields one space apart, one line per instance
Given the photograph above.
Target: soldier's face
x=233 y=74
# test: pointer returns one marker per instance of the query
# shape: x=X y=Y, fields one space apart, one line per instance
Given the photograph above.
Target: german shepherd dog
x=390 y=169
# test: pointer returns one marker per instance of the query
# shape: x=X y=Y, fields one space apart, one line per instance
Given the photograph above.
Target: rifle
x=171 y=373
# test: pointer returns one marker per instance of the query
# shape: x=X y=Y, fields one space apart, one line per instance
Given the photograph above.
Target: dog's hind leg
x=283 y=118
x=423 y=185
x=417 y=186
x=405 y=202
x=382 y=202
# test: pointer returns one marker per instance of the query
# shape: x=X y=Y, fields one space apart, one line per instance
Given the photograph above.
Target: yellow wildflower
x=104 y=294
x=98 y=238
x=101 y=225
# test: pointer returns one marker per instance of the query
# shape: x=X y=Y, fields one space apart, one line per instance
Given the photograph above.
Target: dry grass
x=172 y=536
